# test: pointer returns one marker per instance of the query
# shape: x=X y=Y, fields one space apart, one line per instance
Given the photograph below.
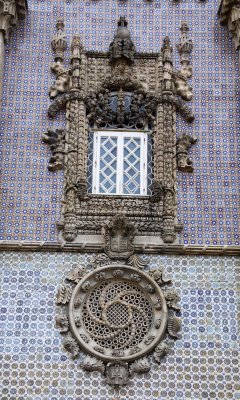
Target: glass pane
x=108 y=165
x=131 y=166
x=149 y=165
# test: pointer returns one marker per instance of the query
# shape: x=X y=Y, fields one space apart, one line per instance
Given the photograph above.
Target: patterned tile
x=203 y=364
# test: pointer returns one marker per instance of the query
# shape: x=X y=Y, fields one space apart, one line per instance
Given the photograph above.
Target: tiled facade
x=208 y=199
x=203 y=364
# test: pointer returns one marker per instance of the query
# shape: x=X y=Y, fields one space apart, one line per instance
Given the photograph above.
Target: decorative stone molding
x=10 y=12
x=229 y=14
x=117 y=314
x=155 y=92
x=98 y=246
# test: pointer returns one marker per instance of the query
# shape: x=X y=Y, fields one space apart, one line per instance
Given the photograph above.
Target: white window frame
x=120 y=135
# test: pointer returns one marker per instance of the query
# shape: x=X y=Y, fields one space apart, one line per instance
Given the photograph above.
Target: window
x=121 y=163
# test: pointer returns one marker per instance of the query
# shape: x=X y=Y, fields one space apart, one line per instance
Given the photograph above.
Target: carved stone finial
x=59 y=45
x=184 y=47
x=184 y=142
x=10 y=12
x=122 y=45
x=168 y=85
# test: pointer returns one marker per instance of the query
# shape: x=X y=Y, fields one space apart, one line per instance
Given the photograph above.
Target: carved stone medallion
x=118 y=314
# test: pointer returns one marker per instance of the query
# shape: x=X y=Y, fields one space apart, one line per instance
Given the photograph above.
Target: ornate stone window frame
x=158 y=93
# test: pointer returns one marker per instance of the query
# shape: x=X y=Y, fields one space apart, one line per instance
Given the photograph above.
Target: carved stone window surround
x=84 y=90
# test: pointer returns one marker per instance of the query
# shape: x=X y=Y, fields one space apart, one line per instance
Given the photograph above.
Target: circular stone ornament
x=118 y=312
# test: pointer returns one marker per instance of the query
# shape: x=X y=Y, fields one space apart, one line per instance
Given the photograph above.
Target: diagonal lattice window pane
x=108 y=165
x=131 y=166
x=120 y=163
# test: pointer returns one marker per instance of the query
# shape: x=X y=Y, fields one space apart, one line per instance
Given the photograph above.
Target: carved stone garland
x=156 y=92
x=116 y=312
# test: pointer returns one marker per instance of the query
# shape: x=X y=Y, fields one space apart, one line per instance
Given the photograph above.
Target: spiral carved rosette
x=116 y=319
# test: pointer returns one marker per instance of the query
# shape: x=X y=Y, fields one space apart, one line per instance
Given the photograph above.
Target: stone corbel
x=184 y=47
x=184 y=142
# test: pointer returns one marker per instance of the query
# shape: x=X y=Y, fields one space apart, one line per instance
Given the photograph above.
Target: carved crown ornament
x=113 y=314
x=119 y=149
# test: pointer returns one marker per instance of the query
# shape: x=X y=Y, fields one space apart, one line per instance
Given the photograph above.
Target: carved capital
x=10 y=12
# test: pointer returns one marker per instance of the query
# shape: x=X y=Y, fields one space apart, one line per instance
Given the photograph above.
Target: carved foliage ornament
x=117 y=314
x=121 y=90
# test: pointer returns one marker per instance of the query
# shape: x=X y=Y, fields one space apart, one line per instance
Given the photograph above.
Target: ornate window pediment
x=114 y=101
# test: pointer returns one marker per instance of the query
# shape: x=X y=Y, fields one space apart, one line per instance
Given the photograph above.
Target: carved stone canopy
x=116 y=93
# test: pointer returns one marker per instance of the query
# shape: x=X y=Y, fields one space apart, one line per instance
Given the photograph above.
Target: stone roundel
x=118 y=312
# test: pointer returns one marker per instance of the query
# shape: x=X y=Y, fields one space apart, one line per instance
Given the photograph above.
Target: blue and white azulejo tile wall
x=202 y=364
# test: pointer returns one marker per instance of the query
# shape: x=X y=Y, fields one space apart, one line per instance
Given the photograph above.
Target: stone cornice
x=177 y=249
